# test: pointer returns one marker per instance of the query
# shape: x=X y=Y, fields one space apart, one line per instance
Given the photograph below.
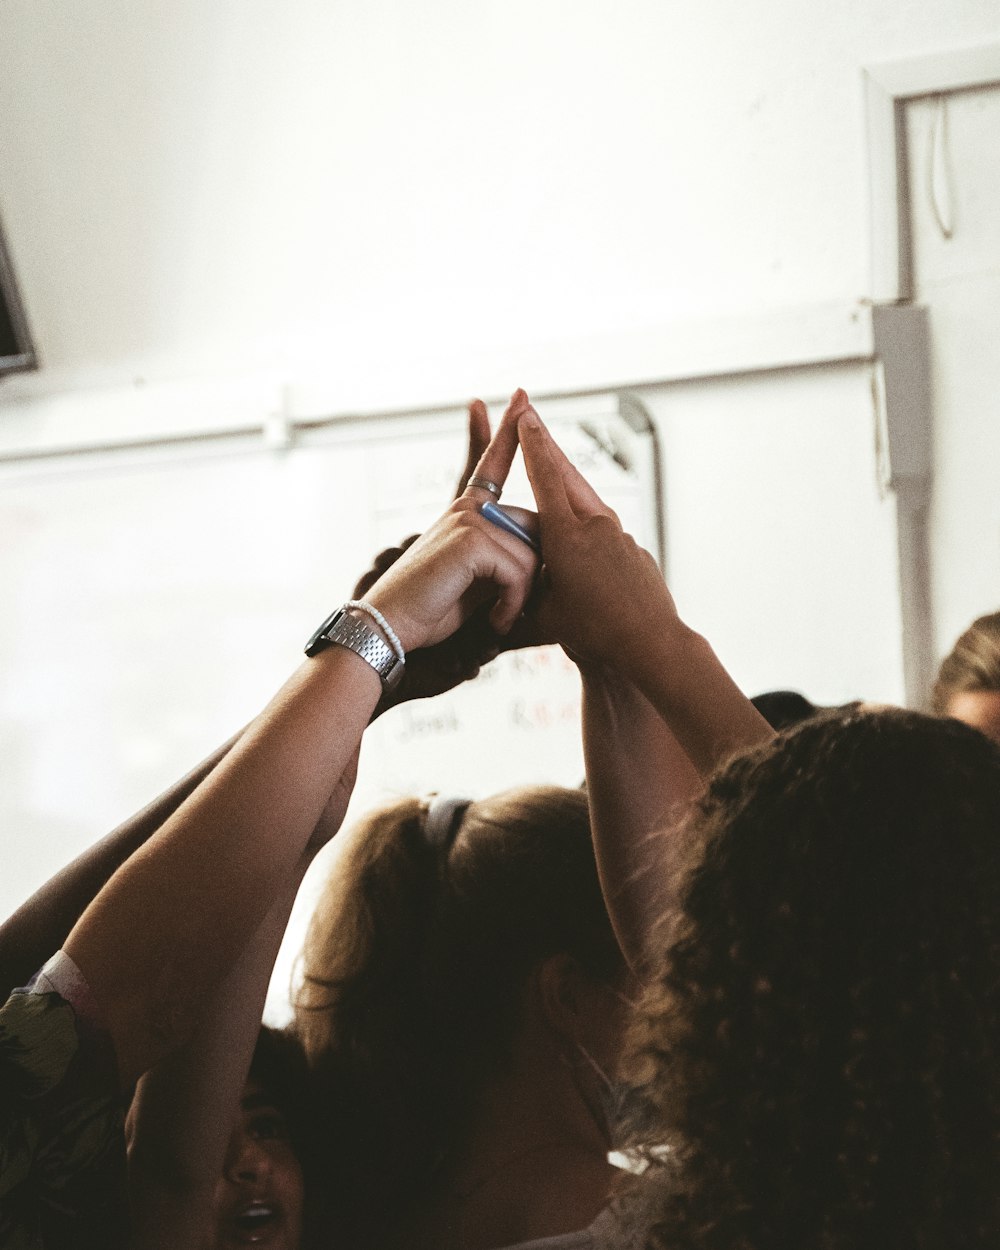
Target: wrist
x=406 y=631
x=358 y=615
x=369 y=615
x=353 y=628
x=667 y=655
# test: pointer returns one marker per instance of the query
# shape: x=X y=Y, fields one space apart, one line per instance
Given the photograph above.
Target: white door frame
x=888 y=87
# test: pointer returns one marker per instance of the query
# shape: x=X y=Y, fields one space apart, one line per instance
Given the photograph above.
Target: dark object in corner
x=17 y=351
x=784 y=708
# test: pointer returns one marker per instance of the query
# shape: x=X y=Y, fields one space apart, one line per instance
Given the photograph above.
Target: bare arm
x=40 y=926
x=605 y=600
x=639 y=781
x=164 y=931
x=183 y=1111
x=184 y=1108
x=162 y=934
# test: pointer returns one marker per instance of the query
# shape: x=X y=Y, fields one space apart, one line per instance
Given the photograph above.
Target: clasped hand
x=462 y=562
x=599 y=593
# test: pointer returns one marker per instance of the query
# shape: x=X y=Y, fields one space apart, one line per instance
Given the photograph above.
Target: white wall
x=188 y=186
x=380 y=202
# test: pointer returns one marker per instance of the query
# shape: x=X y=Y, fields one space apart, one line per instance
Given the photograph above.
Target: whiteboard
x=155 y=599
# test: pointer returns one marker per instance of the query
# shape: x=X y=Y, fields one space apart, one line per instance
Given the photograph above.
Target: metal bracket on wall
x=901 y=339
x=900 y=330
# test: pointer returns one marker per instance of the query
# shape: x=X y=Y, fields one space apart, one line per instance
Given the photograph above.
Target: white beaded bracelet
x=382 y=623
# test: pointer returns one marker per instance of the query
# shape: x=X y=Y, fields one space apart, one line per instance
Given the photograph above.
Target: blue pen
x=502 y=519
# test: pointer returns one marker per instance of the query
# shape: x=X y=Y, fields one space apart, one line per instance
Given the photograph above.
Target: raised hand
x=462 y=563
x=479 y=439
x=601 y=595
x=479 y=434
x=433 y=670
x=605 y=600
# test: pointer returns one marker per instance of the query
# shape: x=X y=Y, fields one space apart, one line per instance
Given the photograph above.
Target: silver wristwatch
x=344 y=630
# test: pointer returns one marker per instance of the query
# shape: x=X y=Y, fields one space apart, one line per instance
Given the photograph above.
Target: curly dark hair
x=819 y=1047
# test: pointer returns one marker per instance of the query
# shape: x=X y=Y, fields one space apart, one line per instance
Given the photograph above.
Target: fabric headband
x=445 y=814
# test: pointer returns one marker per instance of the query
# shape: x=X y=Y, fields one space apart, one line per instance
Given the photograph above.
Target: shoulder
x=622 y=1225
x=569 y=1207
x=613 y=1229
x=38 y=1031
x=570 y=1194
x=62 y=1147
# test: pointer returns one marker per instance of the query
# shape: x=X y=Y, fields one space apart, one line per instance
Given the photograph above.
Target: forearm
x=639 y=780
x=163 y=933
x=605 y=599
x=40 y=926
x=185 y=1107
x=684 y=680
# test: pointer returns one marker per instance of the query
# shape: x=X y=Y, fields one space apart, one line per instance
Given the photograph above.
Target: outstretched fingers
x=479 y=440
x=580 y=495
x=545 y=472
x=494 y=464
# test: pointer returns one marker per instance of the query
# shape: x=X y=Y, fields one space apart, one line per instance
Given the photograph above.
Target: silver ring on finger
x=484 y=483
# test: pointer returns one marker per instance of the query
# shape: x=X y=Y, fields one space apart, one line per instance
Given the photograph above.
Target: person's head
x=819 y=1048
x=784 y=708
x=968 y=681
x=259 y=1199
x=444 y=936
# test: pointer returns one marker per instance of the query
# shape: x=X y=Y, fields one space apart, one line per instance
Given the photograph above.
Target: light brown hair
x=972 y=664
x=414 y=966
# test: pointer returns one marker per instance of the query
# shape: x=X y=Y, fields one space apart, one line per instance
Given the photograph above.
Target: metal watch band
x=344 y=630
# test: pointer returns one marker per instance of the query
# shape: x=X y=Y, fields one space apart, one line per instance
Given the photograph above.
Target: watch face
x=319 y=641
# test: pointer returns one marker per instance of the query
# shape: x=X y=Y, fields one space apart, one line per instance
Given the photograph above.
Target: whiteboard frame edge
x=44 y=423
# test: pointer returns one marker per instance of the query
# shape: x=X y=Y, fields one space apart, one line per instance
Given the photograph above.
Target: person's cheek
x=285 y=1165
x=220 y=1198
